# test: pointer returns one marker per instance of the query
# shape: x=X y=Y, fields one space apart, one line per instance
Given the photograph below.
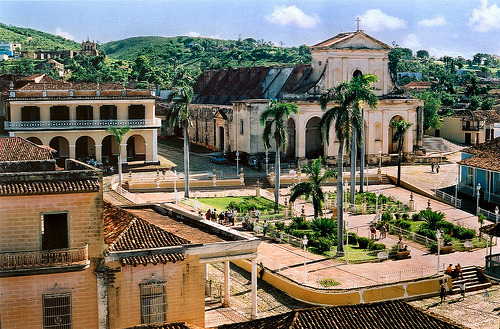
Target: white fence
x=124 y=193
x=489 y=215
x=449 y=198
x=412 y=236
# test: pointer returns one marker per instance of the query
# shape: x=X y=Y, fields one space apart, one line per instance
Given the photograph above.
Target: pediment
x=353 y=40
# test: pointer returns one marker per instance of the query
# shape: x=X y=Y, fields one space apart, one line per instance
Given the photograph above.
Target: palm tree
x=312 y=188
x=401 y=127
x=346 y=119
x=276 y=115
x=179 y=115
x=119 y=134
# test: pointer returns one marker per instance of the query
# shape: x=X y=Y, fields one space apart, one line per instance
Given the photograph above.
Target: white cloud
x=63 y=34
x=485 y=18
x=215 y=36
x=194 y=34
x=412 y=41
x=437 y=52
x=292 y=15
x=376 y=20
x=433 y=22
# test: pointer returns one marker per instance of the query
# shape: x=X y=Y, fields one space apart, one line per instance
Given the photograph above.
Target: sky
x=443 y=27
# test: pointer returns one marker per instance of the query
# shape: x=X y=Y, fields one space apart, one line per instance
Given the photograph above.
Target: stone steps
x=473 y=279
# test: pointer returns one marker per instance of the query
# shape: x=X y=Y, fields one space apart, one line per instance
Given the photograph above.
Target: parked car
x=217 y=158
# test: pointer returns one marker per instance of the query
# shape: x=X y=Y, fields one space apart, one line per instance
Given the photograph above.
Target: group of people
x=435 y=166
x=105 y=167
x=224 y=217
x=373 y=231
x=456 y=272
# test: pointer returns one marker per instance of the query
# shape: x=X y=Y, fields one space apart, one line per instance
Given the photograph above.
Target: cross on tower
x=357 y=21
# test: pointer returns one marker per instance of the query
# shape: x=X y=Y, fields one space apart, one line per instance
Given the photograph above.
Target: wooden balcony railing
x=11 y=261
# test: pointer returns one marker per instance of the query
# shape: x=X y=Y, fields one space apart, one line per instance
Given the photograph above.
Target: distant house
x=417 y=86
x=468 y=127
x=480 y=164
x=6 y=48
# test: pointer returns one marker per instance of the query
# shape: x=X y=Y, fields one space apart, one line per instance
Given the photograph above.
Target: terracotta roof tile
x=489 y=116
x=48 y=187
x=20 y=149
x=485 y=155
x=179 y=325
x=63 y=85
x=124 y=230
x=389 y=314
x=491 y=229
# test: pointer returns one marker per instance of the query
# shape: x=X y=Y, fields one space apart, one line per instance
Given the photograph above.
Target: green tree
x=345 y=120
x=432 y=104
x=275 y=115
x=119 y=134
x=179 y=115
x=313 y=187
x=422 y=53
x=401 y=129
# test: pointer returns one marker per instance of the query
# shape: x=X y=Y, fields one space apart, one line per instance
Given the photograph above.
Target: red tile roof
x=48 y=187
x=20 y=149
x=179 y=325
x=489 y=116
x=485 y=155
x=383 y=315
x=63 y=85
x=124 y=231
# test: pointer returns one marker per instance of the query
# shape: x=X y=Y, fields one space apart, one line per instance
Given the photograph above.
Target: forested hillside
x=32 y=39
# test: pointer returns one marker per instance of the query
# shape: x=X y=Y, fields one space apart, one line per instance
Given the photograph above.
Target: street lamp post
x=237 y=162
x=439 y=237
x=267 y=161
x=377 y=193
x=477 y=203
x=346 y=194
x=456 y=193
x=380 y=161
x=304 y=242
x=496 y=214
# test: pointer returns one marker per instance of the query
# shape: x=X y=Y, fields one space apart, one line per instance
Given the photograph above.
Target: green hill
x=32 y=39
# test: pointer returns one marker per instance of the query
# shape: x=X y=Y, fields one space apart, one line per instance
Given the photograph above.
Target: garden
x=244 y=205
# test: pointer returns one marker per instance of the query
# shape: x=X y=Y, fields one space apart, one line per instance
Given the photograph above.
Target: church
x=229 y=102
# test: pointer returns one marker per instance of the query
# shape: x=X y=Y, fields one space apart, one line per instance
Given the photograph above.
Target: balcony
x=81 y=124
x=43 y=261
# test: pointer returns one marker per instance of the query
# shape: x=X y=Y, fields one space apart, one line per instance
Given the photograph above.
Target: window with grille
x=57 y=310
x=153 y=302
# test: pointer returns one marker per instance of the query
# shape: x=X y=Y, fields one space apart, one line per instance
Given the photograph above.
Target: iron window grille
x=153 y=301
x=57 y=310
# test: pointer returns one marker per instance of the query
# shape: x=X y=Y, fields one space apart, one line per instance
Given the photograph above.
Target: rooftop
x=389 y=314
x=341 y=38
x=20 y=149
x=485 y=155
x=489 y=116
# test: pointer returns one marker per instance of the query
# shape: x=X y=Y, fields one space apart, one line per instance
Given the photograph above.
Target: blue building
x=6 y=49
x=480 y=164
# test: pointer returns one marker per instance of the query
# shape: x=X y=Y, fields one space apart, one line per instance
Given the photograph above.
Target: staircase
x=439 y=145
x=473 y=278
x=385 y=179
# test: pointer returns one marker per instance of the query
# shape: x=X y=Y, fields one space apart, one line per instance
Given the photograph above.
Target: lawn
x=357 y=255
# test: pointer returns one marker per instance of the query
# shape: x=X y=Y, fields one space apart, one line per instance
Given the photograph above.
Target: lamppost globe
x=496 y=214
x=439 y=238
x=304 y=242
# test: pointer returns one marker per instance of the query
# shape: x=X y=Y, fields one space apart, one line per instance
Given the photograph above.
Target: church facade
x=236 y=97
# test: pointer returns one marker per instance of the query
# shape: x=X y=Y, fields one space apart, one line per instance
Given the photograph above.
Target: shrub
x=353 y=239
x=363 y=242
x=328 y=282
x=405 y=225
x=423 y=230
x=324 y=226
x=377 y=246
x=415 y=217
x=300 y=233
x=280 y=226
x=405 y=216
x=397 y=216
x=387 y=217
x=432 y=218
x=299 y=223
x=322 y=244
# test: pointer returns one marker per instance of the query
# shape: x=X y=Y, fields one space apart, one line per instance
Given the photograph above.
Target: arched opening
x=108 y=112
x=85 y=148
x=357 y=73
x=393 y=146
x=84 y=112
x=35 y=140
x=30 y=113
x=290 y=130
x=136 y=148
x=110 y=149
x=221 y=139
x=136 y=112
x=314 y=142
x=61 y=145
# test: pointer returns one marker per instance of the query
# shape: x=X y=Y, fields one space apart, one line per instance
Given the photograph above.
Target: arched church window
x=357 y=73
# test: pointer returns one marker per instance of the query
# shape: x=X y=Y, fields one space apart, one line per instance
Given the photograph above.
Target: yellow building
x=50 y=239
x=72 y=118
x=68 y=260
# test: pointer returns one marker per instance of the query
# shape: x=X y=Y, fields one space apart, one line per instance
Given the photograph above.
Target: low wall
x=151 y=186
x=407 y=290
x=289 y=180
x=415 y=189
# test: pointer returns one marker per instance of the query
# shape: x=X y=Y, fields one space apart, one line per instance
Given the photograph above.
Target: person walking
x=265 y=228
x=442 y=292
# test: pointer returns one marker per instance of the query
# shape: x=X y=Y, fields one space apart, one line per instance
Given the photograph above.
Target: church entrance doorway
x=314 y=142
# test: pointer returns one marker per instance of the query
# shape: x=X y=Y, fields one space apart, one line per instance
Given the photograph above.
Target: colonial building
x=248 y=90
x=68 y=260
x=468 y=127
x=480 y=165
x=72 y=118
x=51 y=237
